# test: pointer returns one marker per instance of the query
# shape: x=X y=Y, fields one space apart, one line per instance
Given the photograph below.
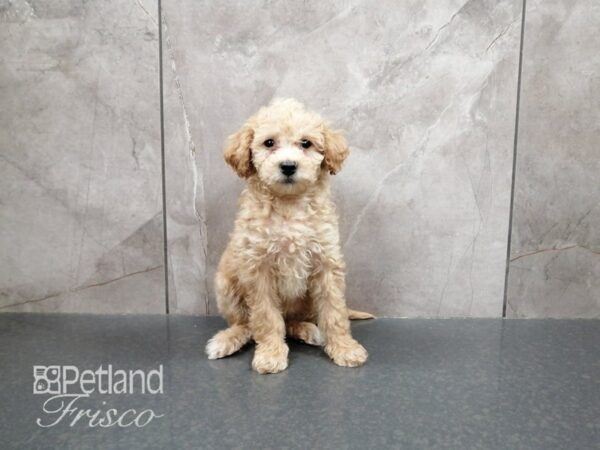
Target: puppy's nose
x=288 y=168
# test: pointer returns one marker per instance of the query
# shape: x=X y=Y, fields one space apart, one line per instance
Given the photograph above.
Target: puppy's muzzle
x=288 y=168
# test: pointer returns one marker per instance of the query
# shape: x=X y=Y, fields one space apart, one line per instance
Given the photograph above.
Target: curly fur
x=283 y=271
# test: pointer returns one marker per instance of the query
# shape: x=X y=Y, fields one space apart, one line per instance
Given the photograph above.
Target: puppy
x=282 y=272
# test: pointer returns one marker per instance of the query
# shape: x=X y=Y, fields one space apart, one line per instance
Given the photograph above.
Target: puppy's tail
x=359 y=315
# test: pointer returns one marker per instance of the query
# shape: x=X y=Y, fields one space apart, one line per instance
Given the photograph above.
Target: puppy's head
x=287 y=147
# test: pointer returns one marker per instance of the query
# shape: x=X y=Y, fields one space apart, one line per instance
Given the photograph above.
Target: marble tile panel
x=80 y=163
x=555 y=247
x=426 y=92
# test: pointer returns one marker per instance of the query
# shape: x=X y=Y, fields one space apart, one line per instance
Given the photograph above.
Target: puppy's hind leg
x=231 y=305
x=306 y=332
x=228 y=341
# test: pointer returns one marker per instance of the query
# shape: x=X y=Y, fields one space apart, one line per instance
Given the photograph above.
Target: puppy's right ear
x=238 y=153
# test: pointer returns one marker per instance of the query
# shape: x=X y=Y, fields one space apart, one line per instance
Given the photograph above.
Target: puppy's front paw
x=270 y=359
x=346 y=352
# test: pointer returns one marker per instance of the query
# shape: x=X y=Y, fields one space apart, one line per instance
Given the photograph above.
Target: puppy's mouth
x=288 y=180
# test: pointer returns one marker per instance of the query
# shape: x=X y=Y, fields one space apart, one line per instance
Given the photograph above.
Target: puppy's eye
x=305 y=143
x=269 y=143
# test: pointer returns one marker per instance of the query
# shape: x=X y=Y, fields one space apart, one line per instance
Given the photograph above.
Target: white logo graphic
x=67 y=385
x=46 y=379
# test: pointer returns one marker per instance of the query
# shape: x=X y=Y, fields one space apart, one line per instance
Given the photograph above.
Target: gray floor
x=456 y=384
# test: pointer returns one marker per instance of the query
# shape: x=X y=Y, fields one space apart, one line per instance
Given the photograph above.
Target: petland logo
x=69 y=387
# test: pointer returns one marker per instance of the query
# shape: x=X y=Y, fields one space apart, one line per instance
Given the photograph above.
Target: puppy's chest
x=293 y=248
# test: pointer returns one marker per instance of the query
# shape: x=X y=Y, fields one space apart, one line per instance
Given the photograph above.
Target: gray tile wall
x=426 y=91
x=80 y=162
x=555 y=251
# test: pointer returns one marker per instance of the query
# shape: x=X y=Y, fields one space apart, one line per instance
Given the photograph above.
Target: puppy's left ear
x=335 y=149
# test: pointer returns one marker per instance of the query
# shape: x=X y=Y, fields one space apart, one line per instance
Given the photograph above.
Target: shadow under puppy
x=283 y=271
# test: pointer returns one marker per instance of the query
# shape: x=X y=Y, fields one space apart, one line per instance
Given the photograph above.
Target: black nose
x=288 y=168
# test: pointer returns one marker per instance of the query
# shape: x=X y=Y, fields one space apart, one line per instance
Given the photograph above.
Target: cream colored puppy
x=282 y=271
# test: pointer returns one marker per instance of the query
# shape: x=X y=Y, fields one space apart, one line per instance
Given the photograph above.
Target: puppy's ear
x=237 y=151
x=336 y=150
